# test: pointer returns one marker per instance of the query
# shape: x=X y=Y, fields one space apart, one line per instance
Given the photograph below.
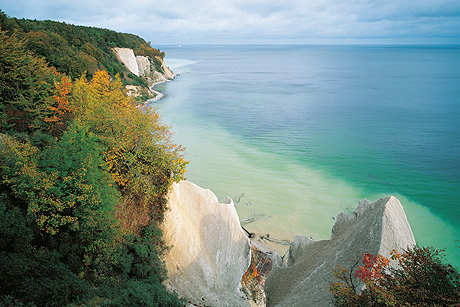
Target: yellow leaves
x=138 y=151
x=101 y=82
x=103 y=105
x=52 y=223
x=114 y=158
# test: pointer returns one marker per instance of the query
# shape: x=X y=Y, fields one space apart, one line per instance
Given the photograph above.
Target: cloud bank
x=257 y=21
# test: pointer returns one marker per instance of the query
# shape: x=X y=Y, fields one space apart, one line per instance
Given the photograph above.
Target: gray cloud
x=257 y=21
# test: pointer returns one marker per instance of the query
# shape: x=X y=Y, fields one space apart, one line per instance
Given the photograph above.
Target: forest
x=74 y=50
x=83 y=171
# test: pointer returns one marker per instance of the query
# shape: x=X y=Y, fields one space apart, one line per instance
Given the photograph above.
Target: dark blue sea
x=303 y=133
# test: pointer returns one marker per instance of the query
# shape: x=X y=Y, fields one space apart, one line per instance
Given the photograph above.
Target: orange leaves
x=254 y=278
x=63 y=89
x=370 y=273
x=61 y=112
x=250 y=274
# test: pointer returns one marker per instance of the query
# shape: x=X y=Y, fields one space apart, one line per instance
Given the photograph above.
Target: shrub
x=420 y=278
x=40 y=278
x=148 y=293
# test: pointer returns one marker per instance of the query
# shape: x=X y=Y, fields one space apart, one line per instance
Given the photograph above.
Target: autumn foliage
x=254 y=278
x=83 y=179
x=418 y=278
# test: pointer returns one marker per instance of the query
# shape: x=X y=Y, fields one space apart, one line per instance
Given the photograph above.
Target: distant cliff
x=76 y=50
x=152 y=68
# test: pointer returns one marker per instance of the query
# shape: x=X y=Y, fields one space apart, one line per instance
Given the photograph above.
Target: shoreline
x=305 y=203
x=159 y=95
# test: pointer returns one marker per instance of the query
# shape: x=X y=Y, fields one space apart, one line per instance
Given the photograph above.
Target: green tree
x=140 y=155
x=83 y=172
x=29 y=272
x=26 y=85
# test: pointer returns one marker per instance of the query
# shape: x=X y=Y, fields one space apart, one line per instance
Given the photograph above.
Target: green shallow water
x=308 y=139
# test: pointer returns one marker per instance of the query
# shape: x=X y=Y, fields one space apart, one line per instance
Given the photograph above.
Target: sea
x=296 y=134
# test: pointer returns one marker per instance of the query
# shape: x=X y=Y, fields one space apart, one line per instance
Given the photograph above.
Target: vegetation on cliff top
x=420 y=278
x=83 y=173
x=74 y=50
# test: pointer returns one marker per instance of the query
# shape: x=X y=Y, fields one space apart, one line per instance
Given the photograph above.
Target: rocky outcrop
x=210 y=252
x=126 y=55
x=143 y=65
x=168 y=74
x=375 y=228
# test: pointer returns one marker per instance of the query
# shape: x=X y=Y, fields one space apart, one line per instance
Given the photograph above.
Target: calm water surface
x=305 y=132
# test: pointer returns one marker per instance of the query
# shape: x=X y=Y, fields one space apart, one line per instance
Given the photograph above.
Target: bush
x=39 y=278
x=9 y=301
x=148 y=293
x=420 y=278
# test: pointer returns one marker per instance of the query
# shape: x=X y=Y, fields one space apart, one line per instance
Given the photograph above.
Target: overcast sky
x=171 y=22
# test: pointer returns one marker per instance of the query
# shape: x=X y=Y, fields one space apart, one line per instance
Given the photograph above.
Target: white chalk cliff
x=142 y=67
x=128 y=58
x=375 y=228
x=210 y=252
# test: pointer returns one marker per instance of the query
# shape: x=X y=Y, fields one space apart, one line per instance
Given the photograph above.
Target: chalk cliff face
x=210 y=252
x=168 y=74
x=375 y=228
x=141 y=66
x=126 y=55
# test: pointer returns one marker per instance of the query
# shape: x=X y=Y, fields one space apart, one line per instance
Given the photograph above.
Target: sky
x=173 y=22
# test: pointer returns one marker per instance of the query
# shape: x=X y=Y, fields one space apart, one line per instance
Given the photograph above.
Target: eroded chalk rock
x=375 y=228
x=128 y=58
x=143 y=65
x=168 y=74
x=210 y=252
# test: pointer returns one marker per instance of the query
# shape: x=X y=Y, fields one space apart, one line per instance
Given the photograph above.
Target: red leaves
x=373 y=267
x=420 y=278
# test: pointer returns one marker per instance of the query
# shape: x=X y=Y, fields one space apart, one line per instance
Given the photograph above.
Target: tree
x=419 y=278
x=26 y=85
x=83 y=172
x=62 y=114
x=30 y=270
x=139 y=153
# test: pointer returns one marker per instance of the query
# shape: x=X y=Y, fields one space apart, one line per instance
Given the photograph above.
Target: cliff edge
x=210 y=252
x=375 y=228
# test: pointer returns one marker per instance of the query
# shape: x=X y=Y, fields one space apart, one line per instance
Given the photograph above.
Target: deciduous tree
x=26 y=87
x=418 y=278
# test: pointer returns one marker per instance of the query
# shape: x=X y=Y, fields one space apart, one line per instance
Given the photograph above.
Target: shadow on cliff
x=213 y=276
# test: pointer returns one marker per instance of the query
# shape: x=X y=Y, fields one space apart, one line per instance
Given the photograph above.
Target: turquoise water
x=305 y=132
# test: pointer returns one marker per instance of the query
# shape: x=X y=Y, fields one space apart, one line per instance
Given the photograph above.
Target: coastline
x=308 y=202
x=159 y=95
